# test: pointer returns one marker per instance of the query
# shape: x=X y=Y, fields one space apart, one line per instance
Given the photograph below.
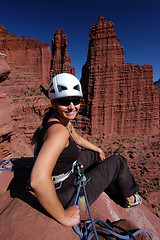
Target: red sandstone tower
x=61 y=61
x=120 y=97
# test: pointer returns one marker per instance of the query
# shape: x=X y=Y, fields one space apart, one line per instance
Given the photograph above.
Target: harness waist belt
x=60 y=178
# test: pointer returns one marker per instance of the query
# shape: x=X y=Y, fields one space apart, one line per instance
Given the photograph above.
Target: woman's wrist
x=99 y=150
x=71 y=217
x=101 y=154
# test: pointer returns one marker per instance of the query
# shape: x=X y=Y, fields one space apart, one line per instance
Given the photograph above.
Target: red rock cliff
x=29 y=62
x=5 y=116
x=120 y=97
x=6 y=110
x=61 y=62
x=31 y=54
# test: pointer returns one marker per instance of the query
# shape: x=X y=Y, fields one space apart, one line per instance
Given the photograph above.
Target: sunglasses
x=67 y=101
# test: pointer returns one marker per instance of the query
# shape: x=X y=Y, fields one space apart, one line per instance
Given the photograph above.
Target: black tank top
x=68 y=155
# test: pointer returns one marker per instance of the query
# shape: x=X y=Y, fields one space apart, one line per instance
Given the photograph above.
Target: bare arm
x=41 y=181
x=86 y=144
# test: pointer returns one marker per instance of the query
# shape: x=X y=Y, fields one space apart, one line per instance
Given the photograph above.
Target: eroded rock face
x=29 y=61
x=6 y=124
x=6 y=110
x=120 y=97
x=4 y=67
x=5 y=116
x=31 y=54
x=61 y=61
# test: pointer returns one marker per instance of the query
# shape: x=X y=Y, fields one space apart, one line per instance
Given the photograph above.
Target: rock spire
x=61 y=61
x=119 y=97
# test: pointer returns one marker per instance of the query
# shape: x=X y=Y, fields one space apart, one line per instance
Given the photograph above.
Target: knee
x=118 y=160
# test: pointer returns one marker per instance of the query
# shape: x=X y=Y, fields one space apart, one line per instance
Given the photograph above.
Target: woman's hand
x=101 y=154
x=72 y=216
x=86 y=144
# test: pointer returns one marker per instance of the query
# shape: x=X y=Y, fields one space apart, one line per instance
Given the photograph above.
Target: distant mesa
x=30 y=54
x=157 y=84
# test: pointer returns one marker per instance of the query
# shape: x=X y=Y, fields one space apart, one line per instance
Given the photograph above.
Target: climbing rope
x=3 y=165
x=92 y=228
x=17 y=163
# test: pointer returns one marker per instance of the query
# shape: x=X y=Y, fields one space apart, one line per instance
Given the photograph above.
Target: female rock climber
x=53 y=179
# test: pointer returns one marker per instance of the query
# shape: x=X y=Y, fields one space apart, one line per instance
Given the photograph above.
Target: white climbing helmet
x=64 y=85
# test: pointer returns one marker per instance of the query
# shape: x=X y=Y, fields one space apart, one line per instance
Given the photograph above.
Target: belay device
x=104 y=229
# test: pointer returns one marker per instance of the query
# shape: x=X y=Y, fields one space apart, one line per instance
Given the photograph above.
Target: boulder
x=4 y=67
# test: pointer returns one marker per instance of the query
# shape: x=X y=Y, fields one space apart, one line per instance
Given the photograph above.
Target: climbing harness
x=27 y=164
x=60 y=178
x=88 y=229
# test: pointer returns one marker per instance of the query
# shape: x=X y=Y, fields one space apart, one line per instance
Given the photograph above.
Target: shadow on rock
x=19 y=185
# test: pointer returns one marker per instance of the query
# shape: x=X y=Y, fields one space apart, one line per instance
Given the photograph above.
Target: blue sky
x=137 y=24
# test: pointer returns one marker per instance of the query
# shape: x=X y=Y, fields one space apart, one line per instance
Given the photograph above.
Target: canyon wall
x=30 y=54
x=119 y=97
x=61 y=61
x=6 y=110
x=30 y=65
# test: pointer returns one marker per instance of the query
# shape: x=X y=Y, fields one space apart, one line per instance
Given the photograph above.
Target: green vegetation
x=28 y=96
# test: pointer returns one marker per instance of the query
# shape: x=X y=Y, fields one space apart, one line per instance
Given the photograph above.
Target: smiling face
x=67 y=108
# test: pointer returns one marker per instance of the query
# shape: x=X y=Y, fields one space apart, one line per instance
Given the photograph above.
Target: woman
x=57 y=150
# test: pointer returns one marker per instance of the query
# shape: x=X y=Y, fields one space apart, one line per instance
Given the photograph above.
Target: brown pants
x=112 y=170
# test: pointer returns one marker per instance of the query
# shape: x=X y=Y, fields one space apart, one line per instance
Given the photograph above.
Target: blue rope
x=3 y=164
x=103 y=229
x=26 y=165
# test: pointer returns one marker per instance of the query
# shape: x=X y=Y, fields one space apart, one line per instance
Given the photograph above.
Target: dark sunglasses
x=67 y=101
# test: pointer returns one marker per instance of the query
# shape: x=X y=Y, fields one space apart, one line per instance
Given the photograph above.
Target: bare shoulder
x=57 y=130
x=55 y=140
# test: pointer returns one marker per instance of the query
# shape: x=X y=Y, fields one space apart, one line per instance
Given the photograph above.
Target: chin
x=71 y=116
